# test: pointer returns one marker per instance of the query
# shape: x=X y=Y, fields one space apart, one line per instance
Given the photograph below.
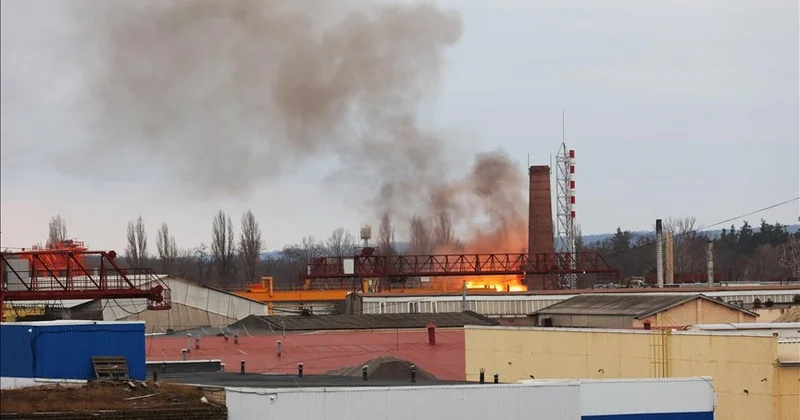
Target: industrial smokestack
x=710 y=263
x=540 y=219
x=669 y=264
x=659 y=254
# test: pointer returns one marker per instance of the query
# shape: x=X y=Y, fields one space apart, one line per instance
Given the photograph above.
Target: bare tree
x=304 y=253
x=167 y=249
x=222 y=245
x=340 y=243
x=420 y=241
x=685 y=236
x=58 y=230
x=203 y=260
x=579 y=243
x=136 y=250
x=443 y=235
x=386 y=243
x=250 y=245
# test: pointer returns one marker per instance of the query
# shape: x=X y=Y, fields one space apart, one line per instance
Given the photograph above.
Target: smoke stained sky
x=703 y=100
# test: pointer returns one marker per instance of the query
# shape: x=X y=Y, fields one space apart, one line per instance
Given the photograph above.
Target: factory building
x=771 y=300
x=192 y=306
x=640 y=311
x=680 y=399
x=755 y=376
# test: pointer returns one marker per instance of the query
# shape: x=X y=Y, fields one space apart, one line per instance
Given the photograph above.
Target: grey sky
x=675 y=108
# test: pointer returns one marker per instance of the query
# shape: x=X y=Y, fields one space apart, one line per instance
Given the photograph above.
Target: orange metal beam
x=294 y=296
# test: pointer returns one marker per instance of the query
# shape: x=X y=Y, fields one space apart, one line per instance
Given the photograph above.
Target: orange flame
x=509 y=238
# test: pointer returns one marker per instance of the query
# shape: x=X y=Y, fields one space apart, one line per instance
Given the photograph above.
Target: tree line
x=746 y=253
x=234 y=259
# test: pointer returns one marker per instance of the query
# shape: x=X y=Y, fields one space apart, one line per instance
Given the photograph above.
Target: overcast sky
x=674 y=108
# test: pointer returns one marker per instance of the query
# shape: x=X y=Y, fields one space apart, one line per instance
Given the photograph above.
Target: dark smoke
x=226 y=95
x=230 y=93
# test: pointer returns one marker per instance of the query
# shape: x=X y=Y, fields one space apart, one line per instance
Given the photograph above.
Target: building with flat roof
x=441 y=354
x=756 y=377
x=640 y=311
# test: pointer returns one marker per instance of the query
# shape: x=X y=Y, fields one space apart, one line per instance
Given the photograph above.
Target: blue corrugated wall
x=65 y=351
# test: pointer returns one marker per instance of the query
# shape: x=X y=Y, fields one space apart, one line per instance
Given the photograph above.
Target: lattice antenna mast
x=565 y=206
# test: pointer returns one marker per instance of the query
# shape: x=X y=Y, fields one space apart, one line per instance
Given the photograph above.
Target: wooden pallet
x=110 y=367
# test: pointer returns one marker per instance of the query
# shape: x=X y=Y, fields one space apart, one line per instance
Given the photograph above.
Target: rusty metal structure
x=461 y=265
x=68 y=270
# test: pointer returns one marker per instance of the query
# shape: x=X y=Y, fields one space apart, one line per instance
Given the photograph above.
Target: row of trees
x=744 y=253
x=234 y=259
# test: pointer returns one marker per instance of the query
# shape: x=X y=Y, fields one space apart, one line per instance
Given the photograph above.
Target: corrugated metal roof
x=360 y=322
x=179 y=317
x=635 y=305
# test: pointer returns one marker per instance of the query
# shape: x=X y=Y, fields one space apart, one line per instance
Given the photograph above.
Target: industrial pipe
x=710 y=263
x=659 y=254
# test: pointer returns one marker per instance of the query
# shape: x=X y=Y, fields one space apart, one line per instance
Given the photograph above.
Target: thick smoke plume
x=228 y=94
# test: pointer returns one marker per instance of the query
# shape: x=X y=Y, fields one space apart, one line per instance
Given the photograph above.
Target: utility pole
x=463 y=296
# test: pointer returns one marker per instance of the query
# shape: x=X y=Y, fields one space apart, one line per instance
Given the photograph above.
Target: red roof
x=322 y=352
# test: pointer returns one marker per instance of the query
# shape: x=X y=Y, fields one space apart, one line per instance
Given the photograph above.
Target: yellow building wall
x=698 y=311
x=746 y=378
x=770 y=314
x=789 y=389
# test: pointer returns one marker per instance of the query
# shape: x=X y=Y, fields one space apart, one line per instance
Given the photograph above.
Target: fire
x=498 y=283
x=510 y=237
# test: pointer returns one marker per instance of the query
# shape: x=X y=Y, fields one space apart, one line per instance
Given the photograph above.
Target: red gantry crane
x=61 y=271
x=382 y=266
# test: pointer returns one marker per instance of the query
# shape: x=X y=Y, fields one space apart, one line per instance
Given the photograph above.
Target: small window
x=413 y=307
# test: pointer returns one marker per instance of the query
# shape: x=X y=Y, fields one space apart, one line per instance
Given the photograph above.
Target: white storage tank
x=554 y=400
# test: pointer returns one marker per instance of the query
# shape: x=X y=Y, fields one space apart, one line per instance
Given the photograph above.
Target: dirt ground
x=99 y=396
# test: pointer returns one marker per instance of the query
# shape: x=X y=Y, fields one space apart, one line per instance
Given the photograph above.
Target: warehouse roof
x=636 y=305
x=255 y=380
x=321 y=352
x=255 y=323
